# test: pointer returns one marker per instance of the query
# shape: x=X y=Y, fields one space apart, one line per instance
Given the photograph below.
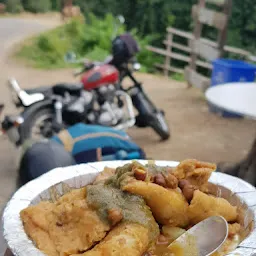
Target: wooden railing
x=171 y=44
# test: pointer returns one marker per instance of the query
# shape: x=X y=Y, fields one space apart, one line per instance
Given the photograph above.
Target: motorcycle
x=148 y=114
x=100 y=99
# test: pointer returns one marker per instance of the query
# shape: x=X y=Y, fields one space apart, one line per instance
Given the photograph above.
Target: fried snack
x=36 y=227
x=127 y=239
x=105 y=174
x=196 y=172
x=233 y=229
x=203 y=206
x=169 y=207
x=127 y=202
x=73 y=195
x=228 y=246
x=66 y=227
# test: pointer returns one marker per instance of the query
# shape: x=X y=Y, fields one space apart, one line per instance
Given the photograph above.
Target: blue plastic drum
x=227 y=71
x=230 y=71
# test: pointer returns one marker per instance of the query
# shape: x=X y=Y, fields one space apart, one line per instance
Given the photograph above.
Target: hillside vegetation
x=91 y=40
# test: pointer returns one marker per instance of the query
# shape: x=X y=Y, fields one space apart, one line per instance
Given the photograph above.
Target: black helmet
x=124 y=47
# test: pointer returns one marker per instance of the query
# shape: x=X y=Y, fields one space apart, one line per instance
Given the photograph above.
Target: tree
x=57 y=5
x=37 y=6
x=14 y=6
x=242 y=29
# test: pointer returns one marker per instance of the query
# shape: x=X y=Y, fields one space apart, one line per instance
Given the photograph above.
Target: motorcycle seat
x=45 y=90
x=73 y=89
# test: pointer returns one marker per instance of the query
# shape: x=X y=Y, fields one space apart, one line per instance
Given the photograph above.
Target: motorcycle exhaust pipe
x=10 y=127
x=58 y=111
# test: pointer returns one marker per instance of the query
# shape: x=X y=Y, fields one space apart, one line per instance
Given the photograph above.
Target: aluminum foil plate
x=60 y=180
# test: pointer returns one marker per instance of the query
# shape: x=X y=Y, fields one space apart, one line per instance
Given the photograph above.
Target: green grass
x=178 y=77
x=90 y=40
x=45 y=51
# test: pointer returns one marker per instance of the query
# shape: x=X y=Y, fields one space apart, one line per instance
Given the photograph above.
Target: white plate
x=81 y=175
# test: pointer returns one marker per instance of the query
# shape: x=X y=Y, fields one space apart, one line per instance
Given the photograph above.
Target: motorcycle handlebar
x=87 y=65
x=78 y=72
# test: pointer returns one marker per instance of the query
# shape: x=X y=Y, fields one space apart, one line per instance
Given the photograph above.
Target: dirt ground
x=196 y=132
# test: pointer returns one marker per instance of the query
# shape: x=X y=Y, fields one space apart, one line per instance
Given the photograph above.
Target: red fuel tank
x=99 y=76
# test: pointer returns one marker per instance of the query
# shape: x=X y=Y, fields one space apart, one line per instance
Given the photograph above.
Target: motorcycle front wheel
x=149 y=115
x=159 y=125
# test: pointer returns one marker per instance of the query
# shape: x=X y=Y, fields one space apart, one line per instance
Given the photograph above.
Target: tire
x=26 y=131
x=158 y=123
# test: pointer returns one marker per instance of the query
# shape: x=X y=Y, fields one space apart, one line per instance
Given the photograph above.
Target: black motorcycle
x=100 y=99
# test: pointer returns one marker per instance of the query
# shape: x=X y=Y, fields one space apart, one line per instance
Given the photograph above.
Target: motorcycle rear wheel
x=38 y=126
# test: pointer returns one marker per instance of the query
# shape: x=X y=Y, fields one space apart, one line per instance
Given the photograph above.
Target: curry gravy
x=107 y=195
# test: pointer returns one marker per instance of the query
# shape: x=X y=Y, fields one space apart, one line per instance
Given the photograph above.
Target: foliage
x=37 y=5
x=14 y=6
x=153 y=16
x=56 y=5
x=91 y=40
x=46 y=50
x=150 y=19
x=178 y=77
x=242 y=29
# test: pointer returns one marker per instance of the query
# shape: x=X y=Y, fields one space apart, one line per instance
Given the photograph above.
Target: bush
x=91 y=40
x=14 y=6
x=56 y=5
x=37 y=5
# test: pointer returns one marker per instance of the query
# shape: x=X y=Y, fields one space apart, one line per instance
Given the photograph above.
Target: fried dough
x=196 y=172
x=66 y=227
x=36 y=226
x=168 y=206
x=127 y=239
x=203 y=206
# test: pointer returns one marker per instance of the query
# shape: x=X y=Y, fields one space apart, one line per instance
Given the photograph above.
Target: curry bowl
x=59 y=181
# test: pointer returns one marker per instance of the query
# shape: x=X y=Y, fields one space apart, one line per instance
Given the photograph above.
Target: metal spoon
x=202 y=239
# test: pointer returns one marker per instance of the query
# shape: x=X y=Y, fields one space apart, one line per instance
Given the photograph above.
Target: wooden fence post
x=169 y=51
x=223 y=34
x=197 y=35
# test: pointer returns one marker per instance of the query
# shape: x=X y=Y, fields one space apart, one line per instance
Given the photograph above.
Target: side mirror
x=136 y=66
x=121 y=19
x=70 y=57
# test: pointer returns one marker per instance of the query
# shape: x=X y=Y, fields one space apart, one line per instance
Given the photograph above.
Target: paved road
x=15 y=29
x=12 y=30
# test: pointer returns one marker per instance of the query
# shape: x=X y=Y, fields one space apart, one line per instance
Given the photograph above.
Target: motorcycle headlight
x=136 y=66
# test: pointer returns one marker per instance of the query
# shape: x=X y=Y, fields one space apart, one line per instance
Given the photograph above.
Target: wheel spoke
x=42 y=127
